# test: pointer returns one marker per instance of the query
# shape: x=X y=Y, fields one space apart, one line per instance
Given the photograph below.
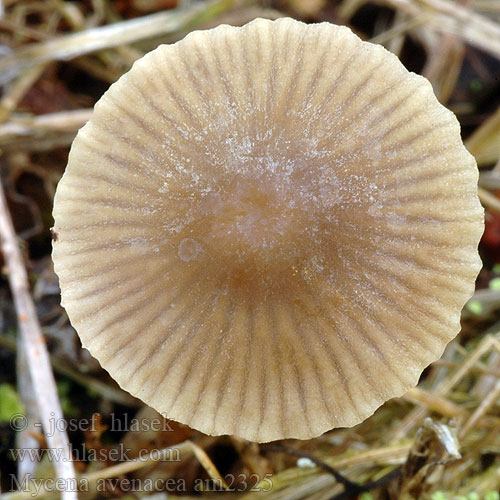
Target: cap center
x=253 y=221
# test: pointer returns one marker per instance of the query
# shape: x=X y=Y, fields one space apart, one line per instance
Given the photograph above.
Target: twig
x=91 y=40
x=351 y=489
x=208 y=465
x=42 y=132
x=340 y=478
x=489 y=200
x=489 y=342
x=25 y=438
x=36 y=351
x=449 y=17
x=434 y=402
x=484 y=143
x=485 y=405
x=17 y=90
x=401 y=28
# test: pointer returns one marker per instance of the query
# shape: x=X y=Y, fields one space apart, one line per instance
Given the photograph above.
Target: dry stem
x=36 y=352
x=113 y=35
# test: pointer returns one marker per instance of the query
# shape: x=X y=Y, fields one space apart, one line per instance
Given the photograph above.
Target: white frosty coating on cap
x=268 y=231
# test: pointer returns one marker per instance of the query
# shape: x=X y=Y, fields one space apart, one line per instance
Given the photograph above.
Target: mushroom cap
x=268 y=231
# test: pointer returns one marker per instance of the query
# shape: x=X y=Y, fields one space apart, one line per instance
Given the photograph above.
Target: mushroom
x=268 y=230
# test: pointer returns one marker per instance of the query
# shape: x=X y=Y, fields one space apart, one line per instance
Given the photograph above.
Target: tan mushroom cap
x=268 y=231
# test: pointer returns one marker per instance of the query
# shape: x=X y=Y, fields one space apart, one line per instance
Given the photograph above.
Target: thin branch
x=42 y=132
x=37 y=357
x=26 y=465
x=351 y=489
x=64 y=48
x=449 y=17
x=489 y=200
